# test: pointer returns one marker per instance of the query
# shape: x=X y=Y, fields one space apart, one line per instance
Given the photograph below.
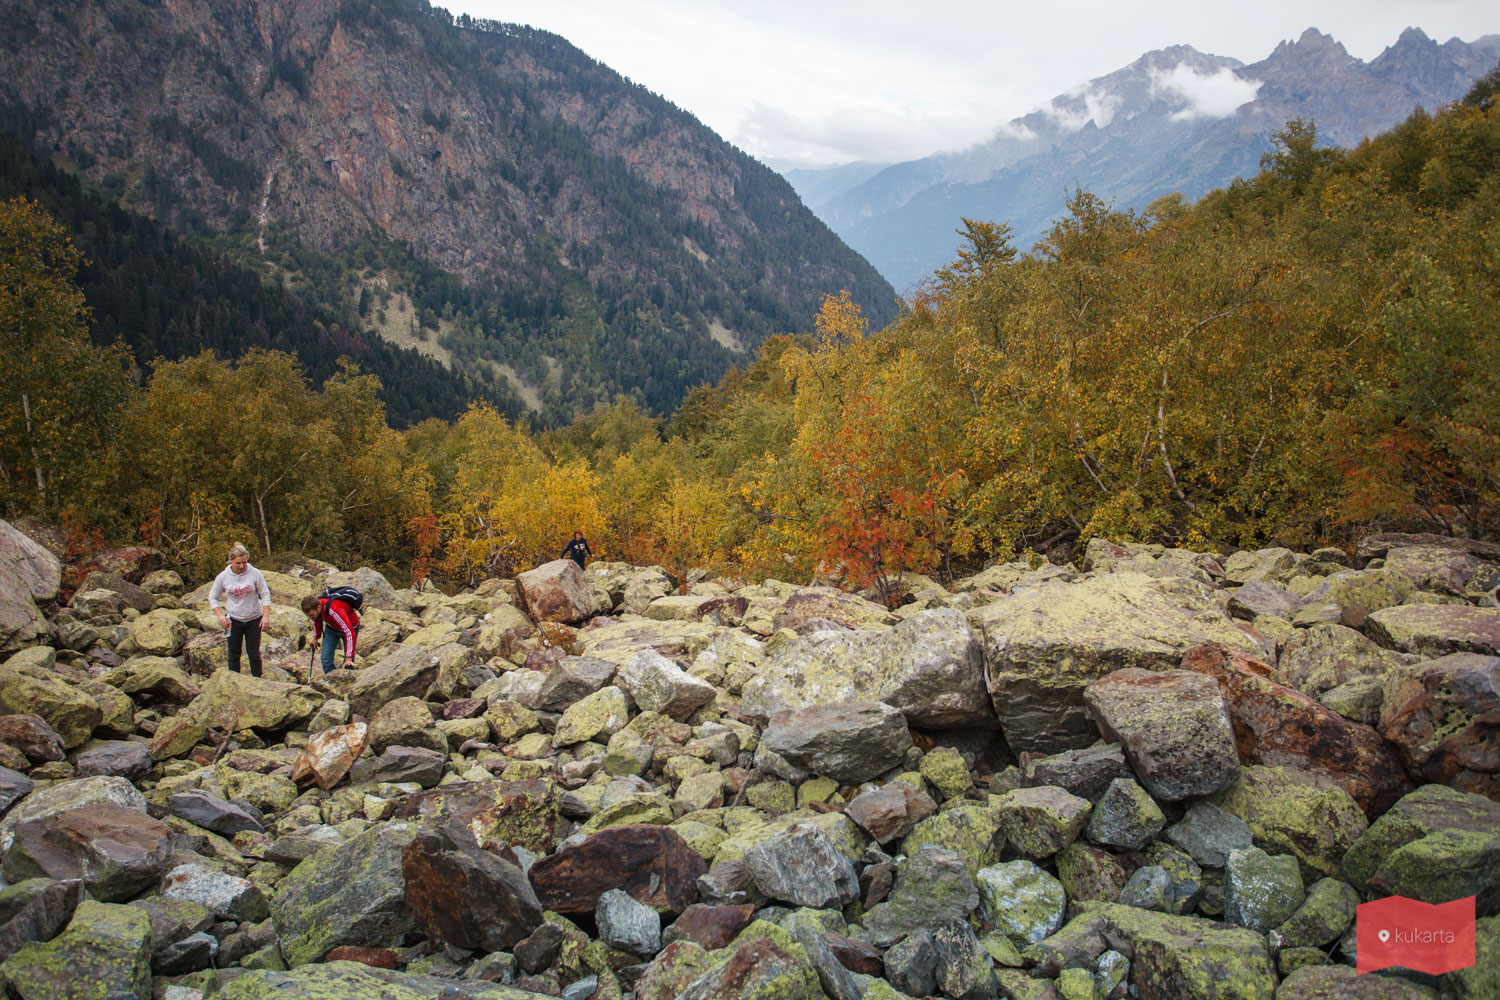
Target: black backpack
x=349 y=595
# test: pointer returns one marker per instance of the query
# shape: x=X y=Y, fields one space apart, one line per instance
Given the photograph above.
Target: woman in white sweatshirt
x=247 y=600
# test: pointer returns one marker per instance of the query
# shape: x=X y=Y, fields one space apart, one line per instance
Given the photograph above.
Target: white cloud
x=1207 y=95
x=1098 y=108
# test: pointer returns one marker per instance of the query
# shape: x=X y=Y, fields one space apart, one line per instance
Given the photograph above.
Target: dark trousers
x=247 y=633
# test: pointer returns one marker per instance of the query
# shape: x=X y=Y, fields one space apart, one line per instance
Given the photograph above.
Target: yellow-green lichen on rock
x=104 y=952
x=1298 y=813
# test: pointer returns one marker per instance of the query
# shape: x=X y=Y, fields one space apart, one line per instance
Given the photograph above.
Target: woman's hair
x=309 y=603
x=238 y=550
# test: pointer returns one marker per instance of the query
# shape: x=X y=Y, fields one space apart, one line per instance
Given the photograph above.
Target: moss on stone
x=1294 y=812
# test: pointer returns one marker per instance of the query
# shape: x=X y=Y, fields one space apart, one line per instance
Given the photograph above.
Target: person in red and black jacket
x=341 y=621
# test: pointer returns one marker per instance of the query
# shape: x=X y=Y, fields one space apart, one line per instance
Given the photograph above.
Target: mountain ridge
x=902 y=218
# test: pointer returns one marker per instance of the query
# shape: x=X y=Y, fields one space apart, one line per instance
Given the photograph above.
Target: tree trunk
x=36 y=460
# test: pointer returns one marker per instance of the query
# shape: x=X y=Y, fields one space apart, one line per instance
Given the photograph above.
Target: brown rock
x=405 y=722
x=132 y=562
x=510 y=813
x=116 y=851
x=651 y=863
x=710 y=926
x=1173 y=727
x=327 y=756
x=36 y=911
x=556 y=592
x=464 y=708
x=463 y=896
x=1437 y=629
x=875 y=883
x=375 y=958
x=31 y=735
x=889 y=812
x=1443 y=716
x=1278 y=726
x=856 y=956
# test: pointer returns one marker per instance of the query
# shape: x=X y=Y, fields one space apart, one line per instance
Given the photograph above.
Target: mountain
x=483 y=193
x=1174 y=120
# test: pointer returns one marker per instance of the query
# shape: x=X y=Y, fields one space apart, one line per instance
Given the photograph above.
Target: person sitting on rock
x=341 y=619
x=577 y=550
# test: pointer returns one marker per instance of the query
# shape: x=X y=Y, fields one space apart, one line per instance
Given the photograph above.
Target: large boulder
x=464 y=896
x=1323 y=657
x=651 y=863
x=349 y=980
x=1046 y=644
x=1371 y=589
x=406 y=671
x=619 y=640
x=557 y=592
x=1437 y=844
x=66 y=795
x=930 y=666
x=115 y=850
x=849 y=742
x=656 y=684
x=1298 y=813
x=1433 y=568
x=1173 y=957
x=801 y=866
x=104 y=953
x=498 y=813
x=1173 y=728
x=72 y=713
x=352 y=894
x=159 y=633
x=1276 y=725
x=154 y=679
x=35 y=910
x=1444 y=718
x=28 y=574
x=806 y=607
x=1437 y=629
x=236 y=701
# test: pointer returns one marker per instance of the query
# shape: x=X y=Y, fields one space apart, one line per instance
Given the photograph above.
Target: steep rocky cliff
x=586 y=218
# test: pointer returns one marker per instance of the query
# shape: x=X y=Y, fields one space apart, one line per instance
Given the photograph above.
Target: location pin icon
x=1384 y=936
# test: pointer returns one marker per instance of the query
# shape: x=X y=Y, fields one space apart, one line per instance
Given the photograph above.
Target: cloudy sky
x=821 y=82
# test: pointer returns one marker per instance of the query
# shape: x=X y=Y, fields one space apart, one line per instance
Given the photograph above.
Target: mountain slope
x=539 y=211
x=1174 y=120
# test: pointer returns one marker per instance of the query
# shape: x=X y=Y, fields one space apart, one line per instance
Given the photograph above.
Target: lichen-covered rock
x=345 y=980
x=618 y=640
x=656 y=684
x=1174 y=957
x=1371 y=589
x=970 y=830
x=930 y=666
x=1443 y=716
x=351 y=894
x=1086 y=773
x=827 y=604
x=1261 y=890
x=1173 y=727
x=757 y=970
x=934 y=885
x=1294 y=812
x=1358 y=700
x=104 y=953
x=498 y=813
x=1038 y=822
x=557 y=591
x=597 y=717
x=405 y=671
x=405 y=722
x=1323 y=917
x=116 y=850
x=851 y=742
x=1021 y=900
x=1482 y=979
x=466 y=897
x=1046 y=644
x=159 y=633
x=238 y=701
x=1323 y=657
x=157 y=678
x=69 y=711
x=1125 y=816
x=1209 y=834
x=67 y=795
x=1437 y=844
x=226 y=896
x=1437 y=629
x=1340 y=982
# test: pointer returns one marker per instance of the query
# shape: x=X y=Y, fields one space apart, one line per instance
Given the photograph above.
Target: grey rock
x=1024 y=902
x=1125 y=816
x=1261 y=890
x=14 y=786
x=123 y=759
x=35 y=910
x=802 y=867
x=227 y=897
x=933 y=886
x=572 y=679
x=850 y=742
x=1208 y=833
x=627 y=924
x=911 y=964
x=1149 y=888
x=203 y=808
x=422 y=765
x=963 y=969
x=1258 y=597
x=1085 y=773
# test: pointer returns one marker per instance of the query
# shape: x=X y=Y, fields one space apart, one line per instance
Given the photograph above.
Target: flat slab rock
x=850 y=742
x=1436 y=629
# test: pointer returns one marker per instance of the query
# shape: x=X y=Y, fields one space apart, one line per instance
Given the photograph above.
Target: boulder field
x=1162 y=774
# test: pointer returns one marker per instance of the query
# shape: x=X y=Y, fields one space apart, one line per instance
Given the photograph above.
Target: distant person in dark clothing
x=577 y=550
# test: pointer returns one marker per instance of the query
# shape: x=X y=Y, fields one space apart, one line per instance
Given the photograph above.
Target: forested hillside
x=1296 y=358
x=484 y=193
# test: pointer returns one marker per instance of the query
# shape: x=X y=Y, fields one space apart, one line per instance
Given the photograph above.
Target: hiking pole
x=311 y=652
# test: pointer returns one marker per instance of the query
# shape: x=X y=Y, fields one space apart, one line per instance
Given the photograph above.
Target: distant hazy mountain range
x=1173 y=120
